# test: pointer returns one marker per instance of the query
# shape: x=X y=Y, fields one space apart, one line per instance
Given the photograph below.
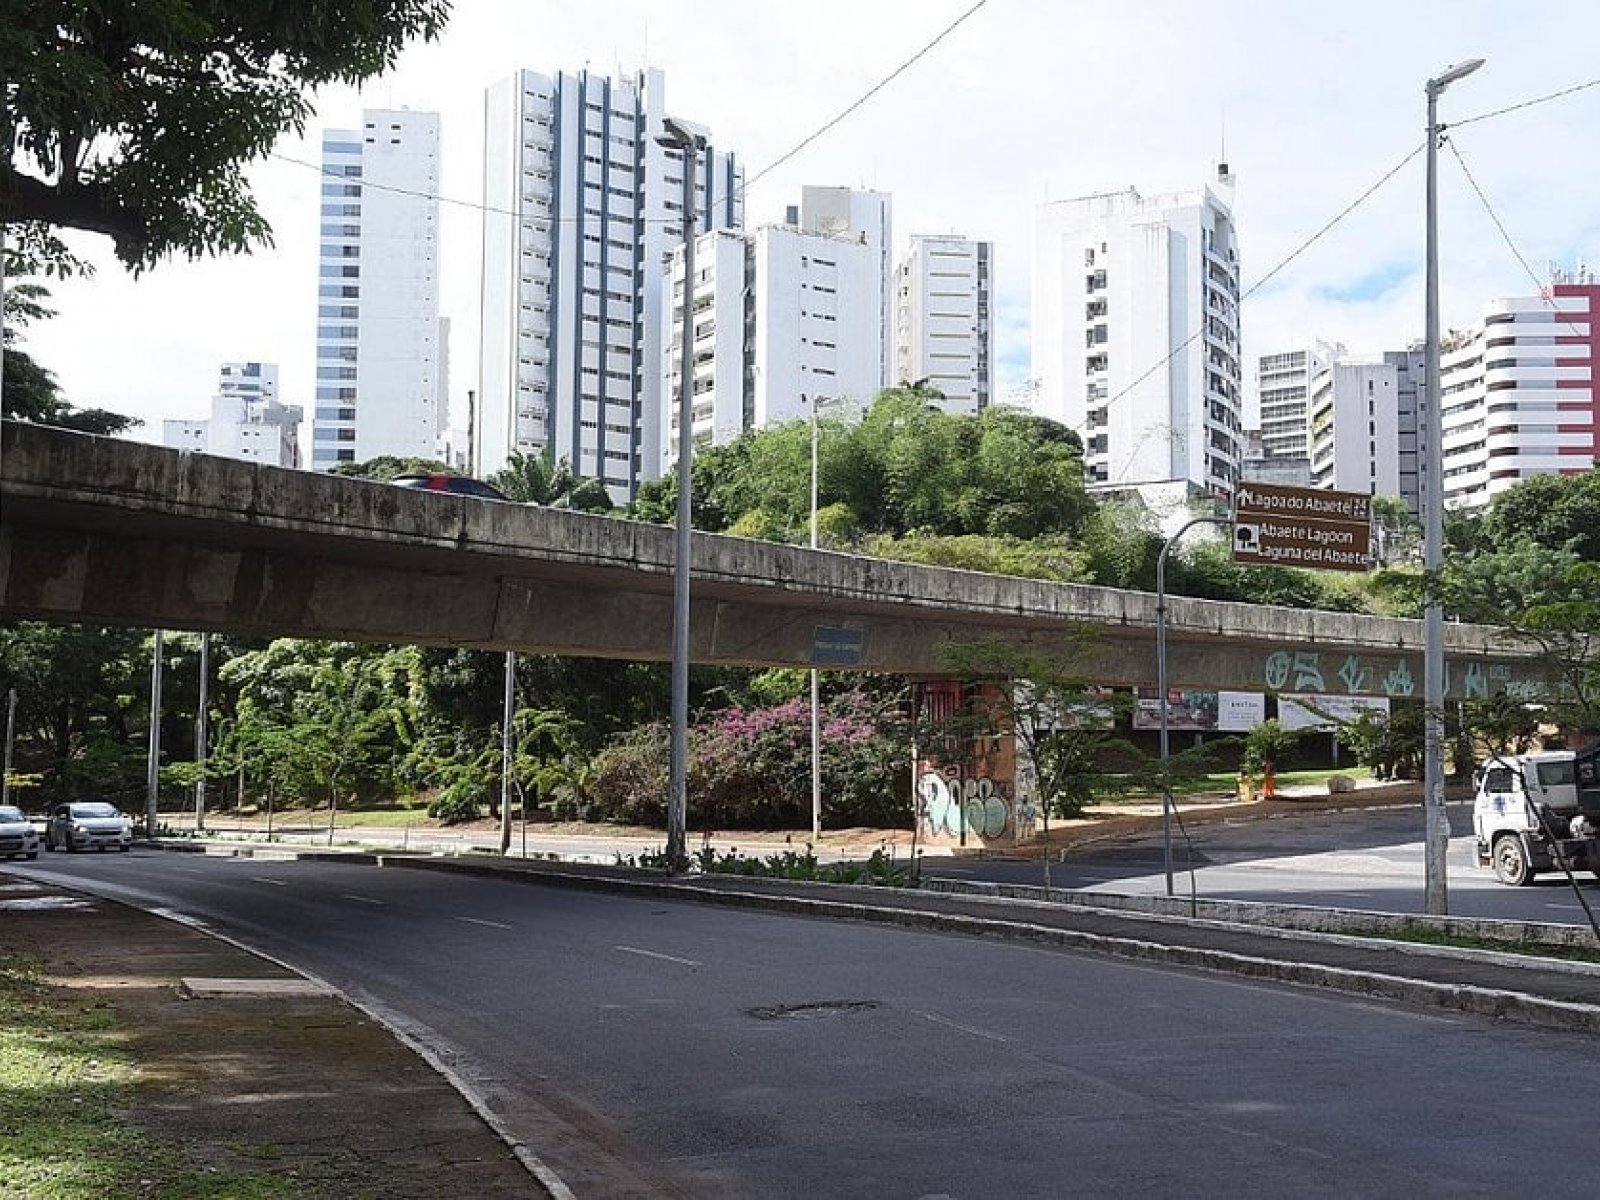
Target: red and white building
x=1520 y=393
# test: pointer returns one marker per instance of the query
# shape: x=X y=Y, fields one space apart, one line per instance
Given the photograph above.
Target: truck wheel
x=1511 y=862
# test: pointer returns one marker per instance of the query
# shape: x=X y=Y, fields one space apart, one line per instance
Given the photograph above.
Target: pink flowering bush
x=751 y=768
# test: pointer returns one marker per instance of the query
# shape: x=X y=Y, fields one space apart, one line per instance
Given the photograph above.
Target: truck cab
x=1536 y=812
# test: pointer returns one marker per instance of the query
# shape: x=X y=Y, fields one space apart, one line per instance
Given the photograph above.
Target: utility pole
x=152 y=777
x=11 y=729
x=201 y=733
x=507 y=747
x=688 y=139
x=1437 y=827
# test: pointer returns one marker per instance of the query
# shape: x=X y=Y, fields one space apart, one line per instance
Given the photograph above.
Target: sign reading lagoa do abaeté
x=1276 y=524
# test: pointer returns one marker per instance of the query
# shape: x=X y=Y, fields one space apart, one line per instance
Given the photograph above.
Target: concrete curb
x=1281 y=917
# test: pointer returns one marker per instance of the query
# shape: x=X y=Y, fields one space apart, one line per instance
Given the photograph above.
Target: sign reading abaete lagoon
x=1278 y=525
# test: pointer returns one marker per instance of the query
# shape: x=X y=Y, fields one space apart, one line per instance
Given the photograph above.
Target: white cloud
x=1028 y=99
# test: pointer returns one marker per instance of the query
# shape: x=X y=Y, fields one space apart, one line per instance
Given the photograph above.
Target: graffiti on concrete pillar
x=955 y=807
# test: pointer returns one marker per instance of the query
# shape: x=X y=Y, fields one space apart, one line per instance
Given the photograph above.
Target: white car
x=18 y=837
x=87 y=825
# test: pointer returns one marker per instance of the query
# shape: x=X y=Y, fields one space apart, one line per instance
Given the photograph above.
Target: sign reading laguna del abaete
x=1283 y=526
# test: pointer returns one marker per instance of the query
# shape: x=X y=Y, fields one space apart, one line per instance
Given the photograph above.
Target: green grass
x=1428 y=936
x=67 y=1087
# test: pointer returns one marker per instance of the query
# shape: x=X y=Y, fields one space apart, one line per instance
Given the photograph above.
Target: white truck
x=1538 y=811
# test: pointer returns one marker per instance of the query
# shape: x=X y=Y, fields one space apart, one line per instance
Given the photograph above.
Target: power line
x=743 y=187
x=865 y=96
x=1511 y=108
x=1543 y=290
x=1260 y=283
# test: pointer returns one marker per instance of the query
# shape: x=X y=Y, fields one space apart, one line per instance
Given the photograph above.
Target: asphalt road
x=663 y=1047
x=1368 y=860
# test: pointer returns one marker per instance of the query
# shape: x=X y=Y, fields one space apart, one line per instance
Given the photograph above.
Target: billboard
x=1326 y=712
x=1200 y=711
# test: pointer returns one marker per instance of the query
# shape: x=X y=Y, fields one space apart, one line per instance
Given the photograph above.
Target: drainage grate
x=808 y=1012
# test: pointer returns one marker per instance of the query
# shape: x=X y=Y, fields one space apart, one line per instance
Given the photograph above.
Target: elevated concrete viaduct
x=104 y=531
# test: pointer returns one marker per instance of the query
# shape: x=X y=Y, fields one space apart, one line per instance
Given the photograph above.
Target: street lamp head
x=678 y=134
x=1450 y=74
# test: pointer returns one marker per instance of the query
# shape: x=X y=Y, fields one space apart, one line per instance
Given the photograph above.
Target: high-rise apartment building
x=583 y=206
x=1353 y=417
x=1136 y=337
x=786 y=317
x=1283 y=387
x=1410 y=367
x=247 y=420
x=380 y=386
x=1520 y=393
x=943 y=325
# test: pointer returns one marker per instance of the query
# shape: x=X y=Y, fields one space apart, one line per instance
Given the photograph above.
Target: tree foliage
x=81 y=706
x=532 y=479
x=136 y=120
x=904 y=466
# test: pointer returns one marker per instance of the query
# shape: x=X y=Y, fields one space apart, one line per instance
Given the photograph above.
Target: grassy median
x=69 y=1105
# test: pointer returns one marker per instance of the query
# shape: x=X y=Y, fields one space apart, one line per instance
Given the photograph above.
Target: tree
x=80 y=705
x=386 y=466
x=532 y=479
x=332 y=720
x=135 y=120
x=1560 y=512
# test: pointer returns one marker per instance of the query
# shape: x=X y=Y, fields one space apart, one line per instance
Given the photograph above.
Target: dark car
x=456 y=485
x=87 y=825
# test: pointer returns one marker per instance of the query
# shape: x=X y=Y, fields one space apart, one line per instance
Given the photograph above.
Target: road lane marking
x=978 y=1033
x=490 y=924
x=362 y=899
x=688 y=962
x=273 y=882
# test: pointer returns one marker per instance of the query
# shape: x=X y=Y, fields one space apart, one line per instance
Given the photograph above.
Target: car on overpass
x=455 y=485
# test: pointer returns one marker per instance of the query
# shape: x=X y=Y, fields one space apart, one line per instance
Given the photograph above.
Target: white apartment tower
x=1520 y=393
x=247 y=420
x=583 y=206
x=943 y=329
x=380 y=386
x=786 y=317
x=1283 y=387
x=1136 y=336
x=1353 y=425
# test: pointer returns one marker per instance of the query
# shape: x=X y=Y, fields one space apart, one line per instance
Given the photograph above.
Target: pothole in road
x=812 y=1011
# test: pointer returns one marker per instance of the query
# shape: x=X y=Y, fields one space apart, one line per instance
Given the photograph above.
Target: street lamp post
x=1161 y=683
x=689 y=139
x=152 y=776
x=816 y=688
x=202 y=734
x=1437 y=821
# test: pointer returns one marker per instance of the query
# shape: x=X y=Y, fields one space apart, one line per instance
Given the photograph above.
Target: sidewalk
x=242 y=1069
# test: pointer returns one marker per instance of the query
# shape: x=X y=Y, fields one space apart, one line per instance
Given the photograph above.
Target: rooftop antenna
x=1224 y=175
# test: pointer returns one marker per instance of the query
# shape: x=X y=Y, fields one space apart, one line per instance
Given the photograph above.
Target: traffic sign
x=1278 y=525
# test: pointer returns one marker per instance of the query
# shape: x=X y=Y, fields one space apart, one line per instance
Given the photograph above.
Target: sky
x=1312 y=102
